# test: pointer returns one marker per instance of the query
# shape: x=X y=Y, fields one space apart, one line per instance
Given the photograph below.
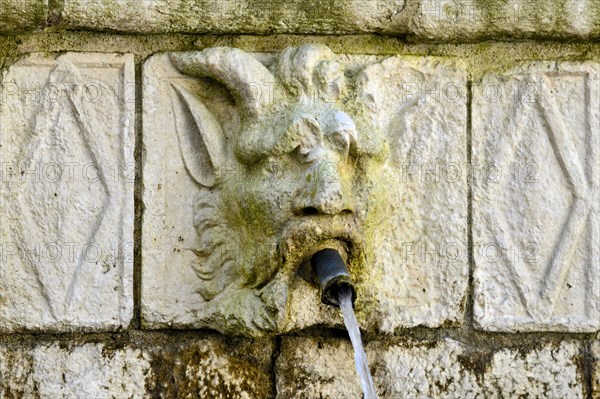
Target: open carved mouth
x=301 y=239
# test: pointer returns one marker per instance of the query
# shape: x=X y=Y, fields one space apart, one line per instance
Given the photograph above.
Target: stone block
x=18 y=16
x=315 y=367
x=323 y=367
x=418 y=20
x=72 y=371
x=595 y=369
x=408 y=252
x=549 y=19
x=66 y=215
x=209 y=366
x=421 y=258
x=244 y=16
x=536 y=161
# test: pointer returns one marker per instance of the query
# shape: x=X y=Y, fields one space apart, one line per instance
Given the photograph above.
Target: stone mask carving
x=298 y=173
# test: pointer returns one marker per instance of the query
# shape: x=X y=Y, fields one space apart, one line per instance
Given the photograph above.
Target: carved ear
x=200 y=137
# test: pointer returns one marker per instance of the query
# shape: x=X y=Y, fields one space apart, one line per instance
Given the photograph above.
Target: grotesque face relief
x=295 y=170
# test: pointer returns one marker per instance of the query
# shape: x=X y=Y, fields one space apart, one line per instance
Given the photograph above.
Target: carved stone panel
x=66 y=211
x=536 y=151
x=253 y=162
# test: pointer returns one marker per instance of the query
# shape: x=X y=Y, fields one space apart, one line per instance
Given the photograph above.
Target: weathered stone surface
x=70 y=371
x=457 y=20
x=551 y=371
x=246 y=16
x=596 y=370
x=205 y=367
x=420 y=264
x=471 y=19
x=226 y=238
x=315 y=367
x=22 y=15
x=66 y=216
x=213 y=367
x=536 y=155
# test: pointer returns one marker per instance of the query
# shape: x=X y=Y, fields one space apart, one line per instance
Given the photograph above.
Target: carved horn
x=249 y=80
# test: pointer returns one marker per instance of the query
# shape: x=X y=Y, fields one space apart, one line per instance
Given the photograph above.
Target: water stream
x=360 y=357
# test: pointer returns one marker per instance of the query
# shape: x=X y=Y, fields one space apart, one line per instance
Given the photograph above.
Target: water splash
x=360 y=357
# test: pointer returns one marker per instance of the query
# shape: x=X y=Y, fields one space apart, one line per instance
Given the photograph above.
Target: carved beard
x=237 y=269
x=228 y=258
x=246 y=274
x=216 y=262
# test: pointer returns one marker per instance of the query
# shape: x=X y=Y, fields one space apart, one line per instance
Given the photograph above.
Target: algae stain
x=477 y=363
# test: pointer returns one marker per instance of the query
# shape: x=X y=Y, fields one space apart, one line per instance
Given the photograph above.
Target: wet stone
x=595 y=369
x=323 y=367
x=208 y=366
x=214 y=367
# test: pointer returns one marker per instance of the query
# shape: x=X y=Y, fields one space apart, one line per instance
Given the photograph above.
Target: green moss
x=221 y=367
x=477 y=362
x=595 y=16
x=22 y=16
x=479 y=57
x=490 y=13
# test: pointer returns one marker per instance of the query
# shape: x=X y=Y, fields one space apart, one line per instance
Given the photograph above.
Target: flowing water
x=360 y=357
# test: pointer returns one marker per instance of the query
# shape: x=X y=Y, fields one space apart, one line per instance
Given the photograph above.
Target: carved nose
x=324 y=192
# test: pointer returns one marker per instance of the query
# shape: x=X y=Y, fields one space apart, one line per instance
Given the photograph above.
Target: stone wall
x=488 y=284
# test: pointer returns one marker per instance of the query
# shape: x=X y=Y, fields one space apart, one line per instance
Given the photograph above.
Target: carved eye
x=340 y=141
x=303 y=136
x=300 y=153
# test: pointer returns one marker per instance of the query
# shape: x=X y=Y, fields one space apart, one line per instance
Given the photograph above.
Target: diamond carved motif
x=66 y=219
x=536 y=216
x=62 y=136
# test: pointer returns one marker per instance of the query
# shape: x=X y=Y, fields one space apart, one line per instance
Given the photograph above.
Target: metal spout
x=333 y=275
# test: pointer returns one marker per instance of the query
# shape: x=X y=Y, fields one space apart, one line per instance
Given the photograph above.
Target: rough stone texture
x=417 y=104
x=457 y=20
x=314 y=367
x=71 y=371
x=246 y=16
x=536 y=156
x=207 y=367
x=595 y=369
x=420 y=263
x=496 y=19
x=22 y=15
x=213 y=367
x=181 y=365
x=66 y=221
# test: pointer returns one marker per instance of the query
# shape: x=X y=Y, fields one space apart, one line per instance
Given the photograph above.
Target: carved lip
x=305 y=236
